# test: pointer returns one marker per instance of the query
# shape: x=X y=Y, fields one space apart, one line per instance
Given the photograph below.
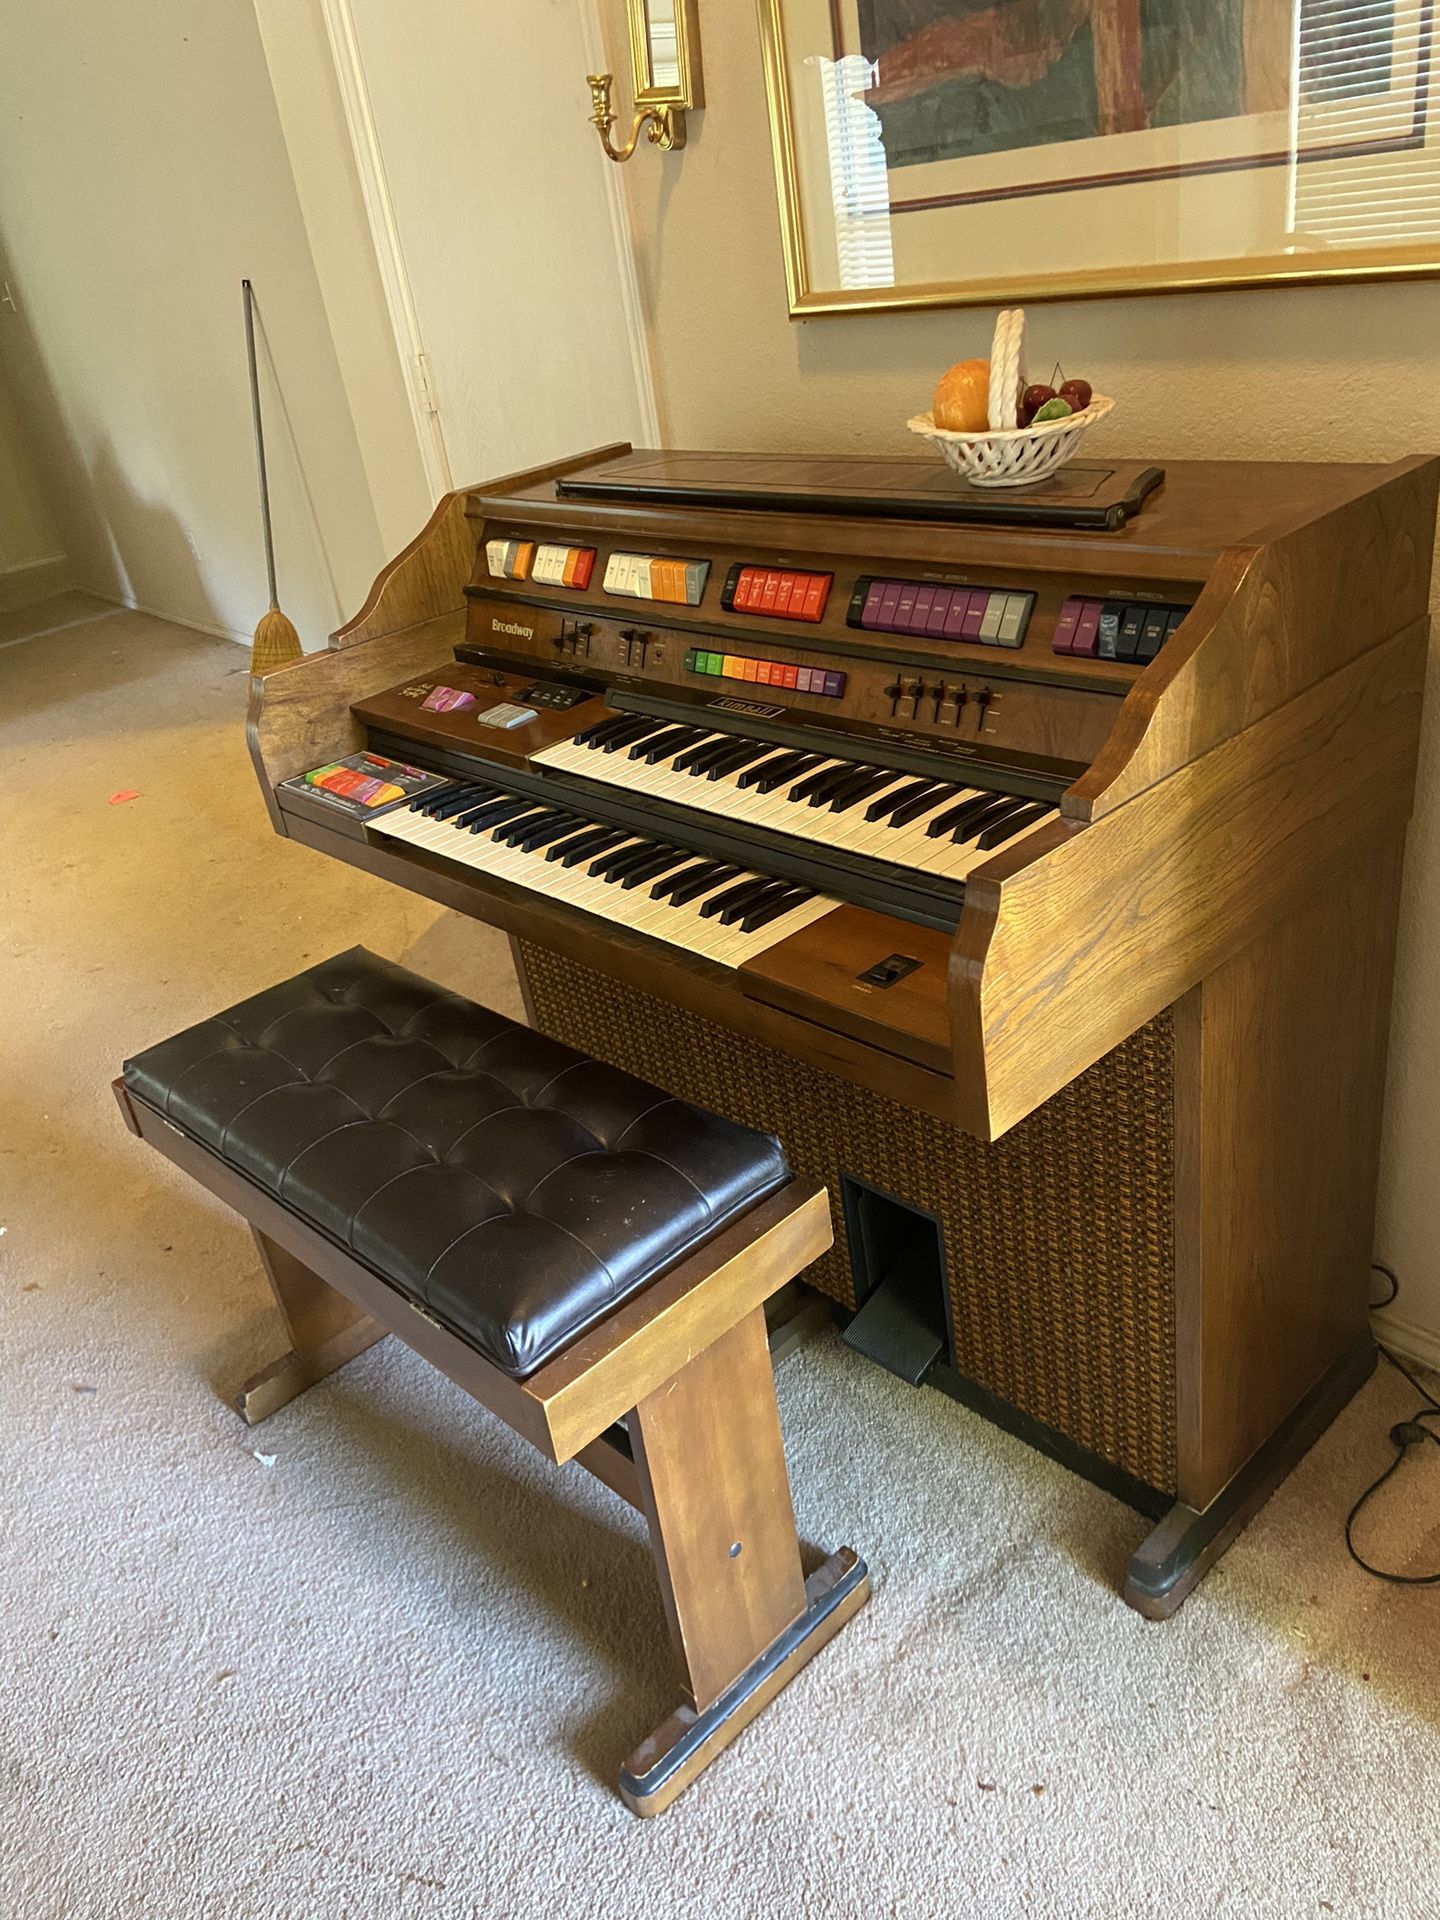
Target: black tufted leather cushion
x=514 y=1187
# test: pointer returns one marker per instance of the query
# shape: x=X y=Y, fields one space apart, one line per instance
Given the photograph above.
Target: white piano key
x=684 y=926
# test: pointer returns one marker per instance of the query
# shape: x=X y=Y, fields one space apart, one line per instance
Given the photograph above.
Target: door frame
x=344 y=43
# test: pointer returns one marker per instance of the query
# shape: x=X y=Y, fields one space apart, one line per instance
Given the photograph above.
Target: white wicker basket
x=1017 y=457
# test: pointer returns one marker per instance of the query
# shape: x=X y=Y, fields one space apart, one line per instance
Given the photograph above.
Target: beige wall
x=143 y=172
x=28 y=539
x=1345 y=373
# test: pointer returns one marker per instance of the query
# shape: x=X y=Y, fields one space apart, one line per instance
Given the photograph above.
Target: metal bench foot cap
x=662 y=1766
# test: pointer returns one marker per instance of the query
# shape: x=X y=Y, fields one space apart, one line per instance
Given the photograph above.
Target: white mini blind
x=1367 y=170
x=859 y=182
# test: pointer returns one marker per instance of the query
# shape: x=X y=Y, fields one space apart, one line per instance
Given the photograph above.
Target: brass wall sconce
x=665 y=58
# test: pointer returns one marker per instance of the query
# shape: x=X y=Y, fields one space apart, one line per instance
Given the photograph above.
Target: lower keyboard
x=721 y=911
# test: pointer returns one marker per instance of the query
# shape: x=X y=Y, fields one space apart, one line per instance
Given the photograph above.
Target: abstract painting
x=1174 y=142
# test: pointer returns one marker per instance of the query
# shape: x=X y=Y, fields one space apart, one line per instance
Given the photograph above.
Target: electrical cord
x=1404 y=1435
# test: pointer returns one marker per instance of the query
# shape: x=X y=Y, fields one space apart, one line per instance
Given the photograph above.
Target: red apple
x=1078 y=393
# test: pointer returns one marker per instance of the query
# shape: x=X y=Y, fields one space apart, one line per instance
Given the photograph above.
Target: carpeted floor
x=374 y=1659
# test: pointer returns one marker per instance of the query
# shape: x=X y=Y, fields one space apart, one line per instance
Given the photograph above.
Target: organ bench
x=585 y=1255
x=1031 y=862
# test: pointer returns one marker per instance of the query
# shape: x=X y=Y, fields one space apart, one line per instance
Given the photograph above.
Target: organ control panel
x=970 y=655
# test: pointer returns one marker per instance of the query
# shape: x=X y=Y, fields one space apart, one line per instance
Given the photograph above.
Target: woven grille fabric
x=513 y=1186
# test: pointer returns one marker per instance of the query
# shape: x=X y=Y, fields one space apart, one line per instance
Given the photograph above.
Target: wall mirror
x=665 y=58
x=665 y=53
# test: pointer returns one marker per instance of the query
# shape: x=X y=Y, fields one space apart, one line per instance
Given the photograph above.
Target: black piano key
x=509 y=833
x=922 y=804
x=766 y=890
x=660 y=746
x=995 y=815
x=640 y=728
x=533 y=837
x=780 y=766
x=591 y=736
x=775 y=905
x=860 y=786
x=732 y=914
x=494 y=813
x=437 y=797
x=666 y=885
x=710 y=755
x=956 y=817
x=745 y=893
x=481 y=802
x=974 y=823
x=698 y=870
x=831 y=783
x=1000 y=831
x=804 y=763
x=718 y=876
x=598 y=840
x=752 y=899
x=458 y=799
x=898 y=797
x=685 y=760
x=739 y=756
x=612 y=866
x=824 y=771
x=644 y=870
x=579 y=830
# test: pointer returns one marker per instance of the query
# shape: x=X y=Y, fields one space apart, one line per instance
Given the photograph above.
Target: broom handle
x=259 y=440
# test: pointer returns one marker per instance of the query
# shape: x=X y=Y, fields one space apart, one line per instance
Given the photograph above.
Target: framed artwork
x=953 y=152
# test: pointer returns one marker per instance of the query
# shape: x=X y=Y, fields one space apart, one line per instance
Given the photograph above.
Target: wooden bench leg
x=325 y=1331
x=711 y=1469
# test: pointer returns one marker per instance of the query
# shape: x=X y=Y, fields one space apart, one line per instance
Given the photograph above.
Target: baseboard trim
x=172 y=619
x=32 y=581
x=1409 y=1340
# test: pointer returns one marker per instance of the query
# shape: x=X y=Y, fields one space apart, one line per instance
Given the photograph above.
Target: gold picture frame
x=1384 y=172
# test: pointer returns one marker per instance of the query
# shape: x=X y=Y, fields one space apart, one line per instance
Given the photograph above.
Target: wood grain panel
x=1280 y=1080
x=424 y=579
x=1054 y=965
x=713 y=1486
x=1273 y=622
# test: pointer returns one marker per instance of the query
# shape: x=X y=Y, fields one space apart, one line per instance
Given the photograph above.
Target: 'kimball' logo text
x=512 y=626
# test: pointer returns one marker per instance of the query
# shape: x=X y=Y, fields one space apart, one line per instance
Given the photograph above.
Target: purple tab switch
x=955 y=618
x=939 y=611
x=1087 y=629
x=1064 y=640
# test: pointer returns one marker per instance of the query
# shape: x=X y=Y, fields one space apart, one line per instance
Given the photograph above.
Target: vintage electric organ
x=1030 y=863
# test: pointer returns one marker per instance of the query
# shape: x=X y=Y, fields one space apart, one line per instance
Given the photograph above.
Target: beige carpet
x=374 y=1659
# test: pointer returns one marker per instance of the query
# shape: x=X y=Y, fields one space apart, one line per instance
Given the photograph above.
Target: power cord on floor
x=1404 y=1435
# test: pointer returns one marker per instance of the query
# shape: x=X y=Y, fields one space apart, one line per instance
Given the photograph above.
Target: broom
x=276 y=643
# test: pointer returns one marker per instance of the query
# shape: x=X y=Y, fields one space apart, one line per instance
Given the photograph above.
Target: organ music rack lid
x=895 y=487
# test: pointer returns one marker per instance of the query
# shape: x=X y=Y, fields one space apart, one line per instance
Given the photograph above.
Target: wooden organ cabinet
x=1030 y=863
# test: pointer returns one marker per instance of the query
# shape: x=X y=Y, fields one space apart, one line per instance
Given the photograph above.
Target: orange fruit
x=962 y=399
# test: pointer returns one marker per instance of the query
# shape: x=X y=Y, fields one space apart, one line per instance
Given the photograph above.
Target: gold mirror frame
x=659 y=111
x=1258 y=270
x=689 y=90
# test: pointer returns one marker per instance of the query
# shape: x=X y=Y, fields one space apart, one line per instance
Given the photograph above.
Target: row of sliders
x=719 y=910
x=932 y=826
